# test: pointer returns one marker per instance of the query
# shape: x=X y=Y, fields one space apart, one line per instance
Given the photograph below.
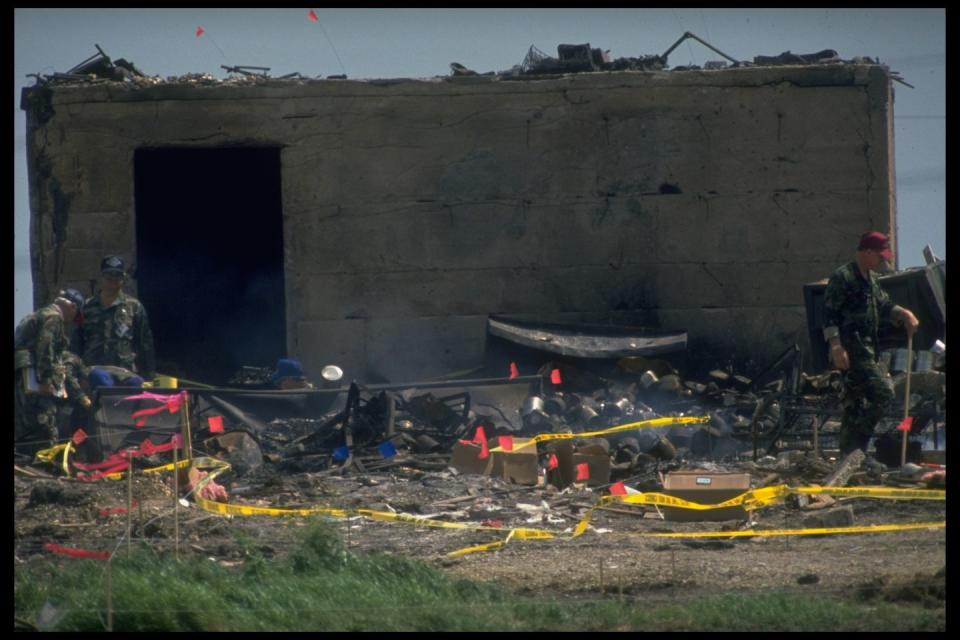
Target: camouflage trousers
x=34 y=419
x=866 y=396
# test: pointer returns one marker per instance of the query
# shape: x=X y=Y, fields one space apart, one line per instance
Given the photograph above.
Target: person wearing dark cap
x=40 y=343
x=289 y=375
x=853 y=307
x=115 y=329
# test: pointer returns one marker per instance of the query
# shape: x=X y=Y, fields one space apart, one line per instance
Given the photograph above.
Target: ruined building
x=377 y=224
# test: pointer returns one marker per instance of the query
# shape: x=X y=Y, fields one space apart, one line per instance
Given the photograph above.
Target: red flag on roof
x=905 y=424
x=513 y=370
x=312 y=15
x=199 y=31
x=583 y=471
x=618 y=489
x=555 y=376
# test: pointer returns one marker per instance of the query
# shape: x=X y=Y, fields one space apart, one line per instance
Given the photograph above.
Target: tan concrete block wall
x=412 y=209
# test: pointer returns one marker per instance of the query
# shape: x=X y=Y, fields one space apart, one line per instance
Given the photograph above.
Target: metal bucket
x=531 y=404
x=648 y=379
x=899 y=360
x=926 y=361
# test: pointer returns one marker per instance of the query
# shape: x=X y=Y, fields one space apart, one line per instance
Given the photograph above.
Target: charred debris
x=570 y=58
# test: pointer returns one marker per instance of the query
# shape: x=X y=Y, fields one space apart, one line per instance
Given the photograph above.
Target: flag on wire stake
x=312 y=15
x=906 y=424
x=387 y=450
x=79 y=436
x=200 y=31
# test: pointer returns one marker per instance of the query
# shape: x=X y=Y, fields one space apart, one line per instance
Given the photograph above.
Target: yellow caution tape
x=820 y=531
x=641 y=424
x=876 y=492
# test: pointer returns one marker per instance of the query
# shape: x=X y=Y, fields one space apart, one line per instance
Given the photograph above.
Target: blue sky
x=420 y=43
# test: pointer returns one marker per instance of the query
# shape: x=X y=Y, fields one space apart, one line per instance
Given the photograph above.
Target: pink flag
x=200 y=31
x=312 y=15
x=555 y=376
x=583 y=471
x=618 y=489
x=513 y=370
x=506 y=442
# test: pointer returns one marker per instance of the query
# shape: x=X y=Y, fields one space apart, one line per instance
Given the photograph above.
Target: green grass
x=322 y=586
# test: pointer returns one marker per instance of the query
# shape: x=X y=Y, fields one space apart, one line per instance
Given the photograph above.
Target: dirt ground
x=906 y=566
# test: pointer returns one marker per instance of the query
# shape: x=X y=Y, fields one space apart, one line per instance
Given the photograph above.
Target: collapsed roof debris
x=570 y=58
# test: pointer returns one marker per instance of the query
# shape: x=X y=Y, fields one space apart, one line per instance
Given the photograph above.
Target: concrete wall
x=699 y=200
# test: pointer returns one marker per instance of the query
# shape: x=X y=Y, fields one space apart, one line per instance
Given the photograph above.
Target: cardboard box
x=519 y=466
x=596 y=458
x=704 y=487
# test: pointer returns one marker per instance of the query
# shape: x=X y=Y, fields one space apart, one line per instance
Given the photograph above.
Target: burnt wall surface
x=412 y=209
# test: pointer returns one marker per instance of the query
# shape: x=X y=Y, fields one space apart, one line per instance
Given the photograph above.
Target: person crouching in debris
x=853 y=306
x=40 y=375
x=289 y=375
x=115 y=330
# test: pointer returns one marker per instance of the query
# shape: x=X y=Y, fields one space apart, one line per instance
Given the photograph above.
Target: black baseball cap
x=112 y=264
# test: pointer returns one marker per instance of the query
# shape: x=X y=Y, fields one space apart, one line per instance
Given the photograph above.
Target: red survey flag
x=480 y=438
x=555 y=376
x=618 y=489
x=905 y=424
x=216 y=424
x=506 y=442
x=552 y=462
x=77 y=553
x=199 y=31
x=583 y=471
x=79 y=436
x=513 y=370
x=312 y=15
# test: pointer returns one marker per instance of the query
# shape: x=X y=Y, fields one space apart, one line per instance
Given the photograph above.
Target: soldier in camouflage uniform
x=39 y=345
x=854 y=305
x=115 y=330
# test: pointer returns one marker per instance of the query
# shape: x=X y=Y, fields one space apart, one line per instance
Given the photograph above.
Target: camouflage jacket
x=40 y=341
x=853 y=307
x=118 y=335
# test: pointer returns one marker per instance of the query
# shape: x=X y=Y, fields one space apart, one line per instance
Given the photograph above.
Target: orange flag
x=200 y=31
x=583 y=471
x=906 y=424
x=552 y=462
x=216 y=424
x=618 y=489
x=480 y=438
x=513 y=370
x=312 y=15
x=555 y=376
x=506 y=442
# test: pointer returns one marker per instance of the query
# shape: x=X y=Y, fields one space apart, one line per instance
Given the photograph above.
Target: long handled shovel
x=905 y=425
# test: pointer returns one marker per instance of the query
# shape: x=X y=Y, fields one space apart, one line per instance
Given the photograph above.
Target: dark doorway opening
x=210 y=258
